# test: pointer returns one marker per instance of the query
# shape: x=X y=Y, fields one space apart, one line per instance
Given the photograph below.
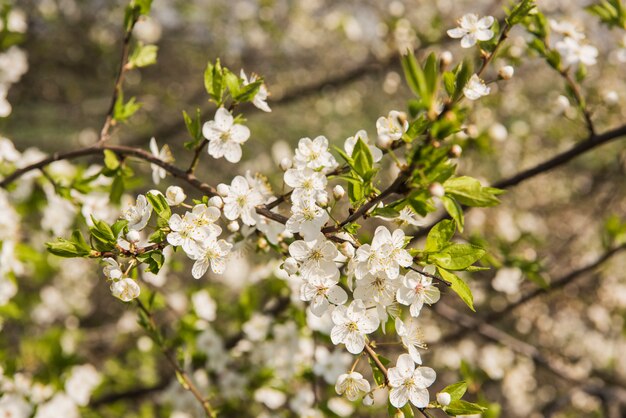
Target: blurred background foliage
x=332 y=68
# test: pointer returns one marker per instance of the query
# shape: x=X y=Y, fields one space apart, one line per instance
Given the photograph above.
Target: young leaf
x=459 y=287
x=439 y=235
x=457 y=256
x=159 y=204
x=468 y=191
x=461 y=407
x=110 y=160
x=454 y=210
x=414 y=75
x=456 y=390
x=143 y=56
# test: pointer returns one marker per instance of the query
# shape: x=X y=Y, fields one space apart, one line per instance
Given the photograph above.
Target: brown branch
x=119 y=81
x=188 y=383
x=120 y=150
x=554 y=286
x=372 y=354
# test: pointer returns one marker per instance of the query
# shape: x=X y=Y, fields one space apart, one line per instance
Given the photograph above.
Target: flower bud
x=133 y=236
x=562 y=104
x=346 y=249
x=444 y=398
x=611 y=97
x=222 y=189
x=446 y=58
x=368 y=400
x=338 y=192
x=216 y=201
x=323 y=200
x=290 y=265
x=262 y=243
x=506 y=72
x=471 y=130
x=285 y=163
x=437 y=190
x=398 y=414
x=456 y=151
x=233 y=226
x=174 y=195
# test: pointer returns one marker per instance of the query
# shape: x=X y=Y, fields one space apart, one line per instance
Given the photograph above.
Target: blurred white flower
x=125 y=289
x=475 y=88
x=164 y=155
x=81 y=383
x=573 y=52
x=472 y=29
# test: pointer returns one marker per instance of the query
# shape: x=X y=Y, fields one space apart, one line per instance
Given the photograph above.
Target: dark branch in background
x=120 y=150
x=554 y=286
x=496 y=335
x=119 y=81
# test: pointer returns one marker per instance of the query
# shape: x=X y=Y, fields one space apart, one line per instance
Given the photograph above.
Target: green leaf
x=463 y=73
x=520 y=11
x=102 y=236
x=79 y=241
x=117 y=189
x=468 y=191
x=363 y=160
x=159 y=204
x=414 y=75
x=65 y=248
x=118 y=226
x=458 y=286
x=454 y=210
x=456 y=390
x=194 y=127
x=232 y=82
x=449 y=82
x=143 y=56
x=461 y=407
x=123 y=111
x=431 y=74
x=248 y=92
x=214 y=82
x=457 y=256
x=439 y=235
x=110 y=160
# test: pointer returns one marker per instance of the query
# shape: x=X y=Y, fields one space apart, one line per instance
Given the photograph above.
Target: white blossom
x=385 y=254
x=416 y=290
x=307 y=219
x=14 y=406
x=164 y=155
x=573 y=52
x=314 y=154
x=472 y=29
x=307 y=184
x=391 y=128
x=444 y=398
x=81 y=383
x=412 y=337
x=125 y=289
x=260 y=98
x=61 y=405
x=321 y=290
x=330 y=364
x=351 y=326
x=138 y=214
x=204 y=305
x=475 y=88
x=240 y=201
x=316 y=257
x=225 y=137
x=567 y=29
x=210 y=253
x=175 y=195
x=408 y=383
x=352 y=385
x=112 y=269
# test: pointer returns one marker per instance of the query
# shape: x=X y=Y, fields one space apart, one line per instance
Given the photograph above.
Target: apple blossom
x=225 y=136
x=351 y=326
x=138 y=214
x=175 y=195
x=125 y=289
x=471 y=29
x=164 y=155
x=390 y=128
x=210 y=253
x=352 y=385
x=475 y=88
x=314 y=154
x=416 y=290
x=240 y=201
x=408 y=383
